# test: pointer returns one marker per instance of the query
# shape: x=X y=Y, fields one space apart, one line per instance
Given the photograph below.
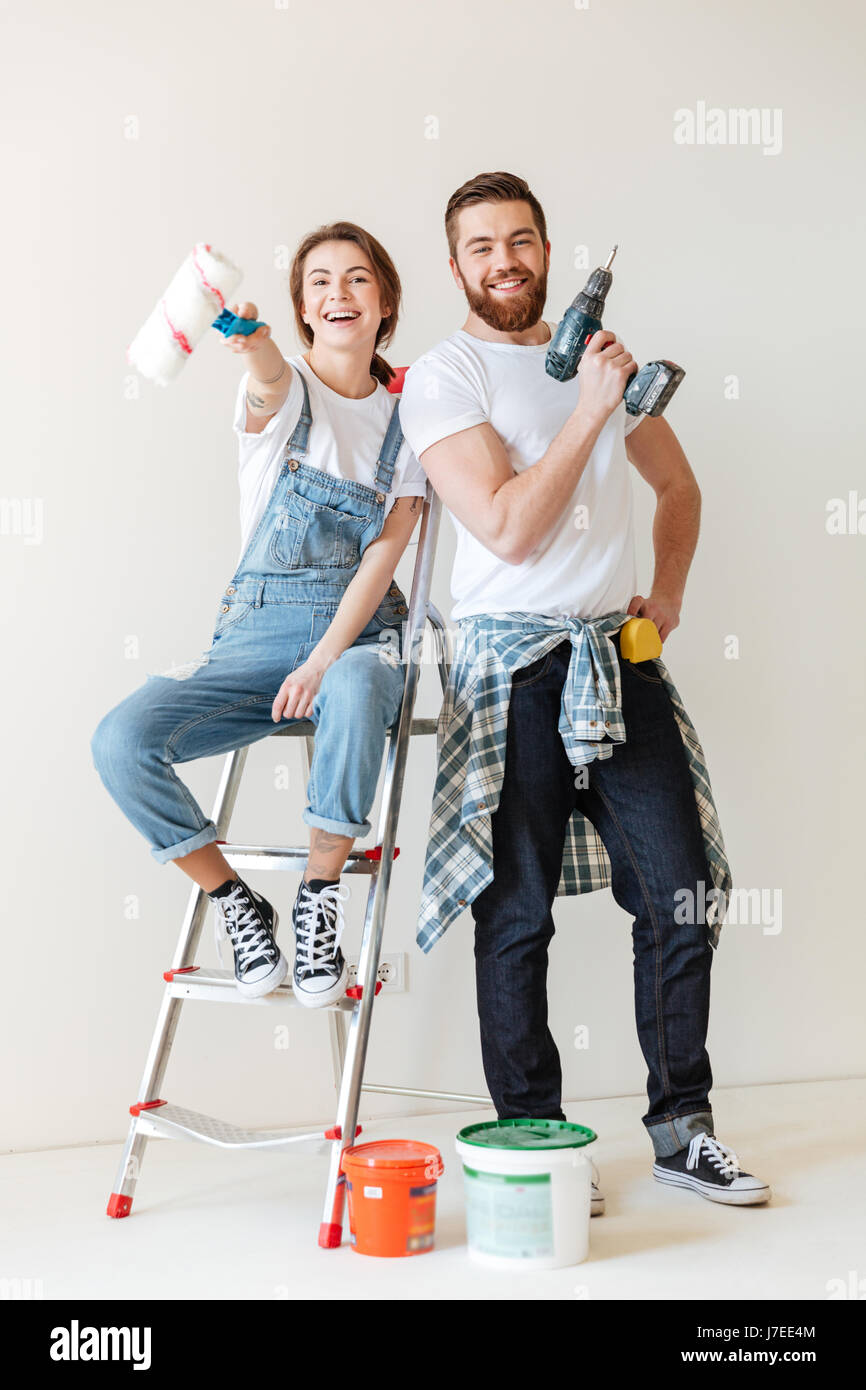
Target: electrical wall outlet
x=391 y=972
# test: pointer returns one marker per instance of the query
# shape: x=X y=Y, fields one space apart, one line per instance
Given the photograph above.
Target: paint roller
x=185 y=312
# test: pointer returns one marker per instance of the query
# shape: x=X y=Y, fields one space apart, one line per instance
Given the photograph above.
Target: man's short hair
x=491 y=188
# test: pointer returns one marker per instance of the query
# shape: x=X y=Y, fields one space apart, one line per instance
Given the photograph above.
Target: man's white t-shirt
x=345 y=440
x=585 y=567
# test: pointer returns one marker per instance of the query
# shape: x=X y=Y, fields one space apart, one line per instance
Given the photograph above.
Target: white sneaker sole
x=733 y=1197
x=322 y=998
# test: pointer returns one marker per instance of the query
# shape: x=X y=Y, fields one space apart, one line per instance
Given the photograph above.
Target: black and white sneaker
x=713 y=1170
x=320 y=975
x=250 y=923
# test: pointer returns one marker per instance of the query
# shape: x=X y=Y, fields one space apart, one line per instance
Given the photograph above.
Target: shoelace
x=249 y=938
x=719 y=1155
x=318 y=936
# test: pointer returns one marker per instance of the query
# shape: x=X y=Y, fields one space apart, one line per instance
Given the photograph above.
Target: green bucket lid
x=527 y=1134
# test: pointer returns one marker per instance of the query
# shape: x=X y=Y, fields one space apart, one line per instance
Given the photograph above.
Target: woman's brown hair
x=385 y=273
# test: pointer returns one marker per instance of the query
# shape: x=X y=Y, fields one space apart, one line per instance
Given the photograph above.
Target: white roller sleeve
x=199 y=291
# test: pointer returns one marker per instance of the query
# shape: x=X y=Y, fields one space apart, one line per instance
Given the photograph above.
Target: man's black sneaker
x=320 y=975
x=713 y=1170
x=250 y=923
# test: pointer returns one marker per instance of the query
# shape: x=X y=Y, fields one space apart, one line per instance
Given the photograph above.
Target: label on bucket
x=509 y=1215
x=372 y=1192
x=422 y=1218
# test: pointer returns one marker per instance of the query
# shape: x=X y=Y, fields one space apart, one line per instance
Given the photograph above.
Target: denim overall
x=275 y=609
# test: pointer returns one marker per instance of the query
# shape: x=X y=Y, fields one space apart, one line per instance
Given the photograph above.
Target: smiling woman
x=330 y=494
x=338 y=286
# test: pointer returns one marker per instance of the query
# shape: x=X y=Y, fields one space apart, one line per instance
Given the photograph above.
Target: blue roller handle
x=229 y=323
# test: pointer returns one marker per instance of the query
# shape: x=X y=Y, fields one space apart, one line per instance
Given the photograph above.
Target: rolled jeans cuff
x=337 y=827
x=197 y=841
x=670 y=1135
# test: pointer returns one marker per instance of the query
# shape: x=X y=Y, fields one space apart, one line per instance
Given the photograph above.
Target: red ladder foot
x=118 y=1205
x=330 y=1235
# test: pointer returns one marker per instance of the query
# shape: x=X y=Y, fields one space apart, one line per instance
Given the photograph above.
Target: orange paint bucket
x=391 y=1186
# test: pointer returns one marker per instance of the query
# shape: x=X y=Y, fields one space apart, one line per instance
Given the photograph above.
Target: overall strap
x=298 y=442
x=390 y=449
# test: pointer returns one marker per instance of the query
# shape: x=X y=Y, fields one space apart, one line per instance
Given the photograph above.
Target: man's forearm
x=675 y=537
x=531 y=503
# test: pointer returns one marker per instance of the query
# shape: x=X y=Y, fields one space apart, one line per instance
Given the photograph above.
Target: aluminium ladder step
x=360 y=861
x=177 y=1122
x=202 y=982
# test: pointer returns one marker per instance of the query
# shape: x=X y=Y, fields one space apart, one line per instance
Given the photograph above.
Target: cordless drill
x=649 y=388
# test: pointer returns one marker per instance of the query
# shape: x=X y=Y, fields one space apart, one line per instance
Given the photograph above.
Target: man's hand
x=662 y=609
x=603 y=374
x=297 y=693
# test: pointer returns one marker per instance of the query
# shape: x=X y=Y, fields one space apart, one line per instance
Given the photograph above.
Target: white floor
x=207 y=1223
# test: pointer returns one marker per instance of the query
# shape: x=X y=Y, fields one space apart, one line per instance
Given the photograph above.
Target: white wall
x=255 y=123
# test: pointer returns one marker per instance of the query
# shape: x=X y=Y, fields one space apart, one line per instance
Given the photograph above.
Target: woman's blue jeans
x=641 y=801
x=222 y=700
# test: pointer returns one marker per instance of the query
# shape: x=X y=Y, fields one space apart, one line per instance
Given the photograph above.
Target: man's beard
x=503 y=314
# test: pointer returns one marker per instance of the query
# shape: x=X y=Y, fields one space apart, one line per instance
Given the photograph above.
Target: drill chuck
x=594 y=293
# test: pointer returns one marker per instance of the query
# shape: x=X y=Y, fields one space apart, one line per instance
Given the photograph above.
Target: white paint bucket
x=528 y=1189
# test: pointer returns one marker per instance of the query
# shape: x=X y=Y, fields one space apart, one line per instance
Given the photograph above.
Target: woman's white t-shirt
x=585 y=566
x=345 y=440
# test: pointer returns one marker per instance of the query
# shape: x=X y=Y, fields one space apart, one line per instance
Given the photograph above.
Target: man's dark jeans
x=641 y=801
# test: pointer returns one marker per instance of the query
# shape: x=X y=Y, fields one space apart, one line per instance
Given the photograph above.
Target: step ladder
x=349 y=1019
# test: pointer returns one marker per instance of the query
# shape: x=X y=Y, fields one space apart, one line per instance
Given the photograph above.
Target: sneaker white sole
x=322 y=998
x=733 y=1197
x=254 y=989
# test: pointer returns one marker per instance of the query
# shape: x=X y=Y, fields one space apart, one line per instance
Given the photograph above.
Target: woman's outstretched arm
x=270 y=377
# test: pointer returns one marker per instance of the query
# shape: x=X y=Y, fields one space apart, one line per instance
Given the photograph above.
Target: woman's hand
x=297 y=692
x=243 y=343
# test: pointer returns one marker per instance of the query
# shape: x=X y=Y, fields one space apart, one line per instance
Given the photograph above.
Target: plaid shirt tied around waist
x=471 y=743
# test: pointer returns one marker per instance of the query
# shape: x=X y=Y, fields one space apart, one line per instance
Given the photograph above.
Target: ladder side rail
x=330 y=1231
x=168 y=1017
x=337 y=1033
x=444 y=645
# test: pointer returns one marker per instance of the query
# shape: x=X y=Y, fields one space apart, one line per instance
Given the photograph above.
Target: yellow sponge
x=639 y=640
